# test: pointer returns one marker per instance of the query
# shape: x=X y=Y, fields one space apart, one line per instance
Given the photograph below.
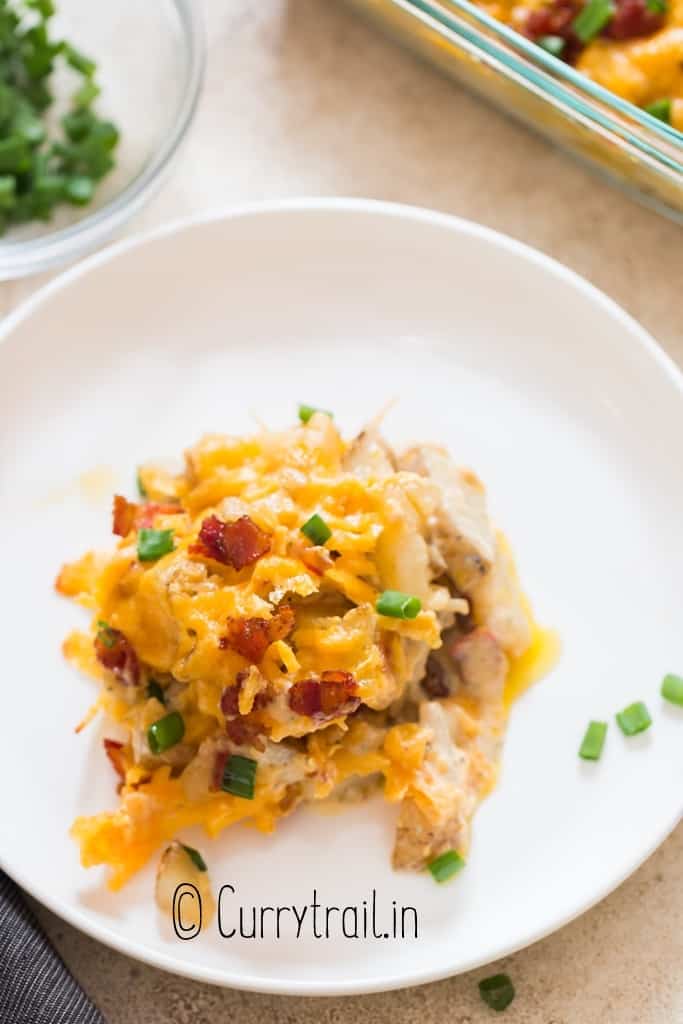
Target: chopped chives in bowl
x=634 y=719
x=239 y=776
x=397 y=605
x=497 y=991
x=40 y=167
x=672 y=689
x=152 y=544
x=593 y=741
x=446 y=865
x=316 y=529
x=165 y=732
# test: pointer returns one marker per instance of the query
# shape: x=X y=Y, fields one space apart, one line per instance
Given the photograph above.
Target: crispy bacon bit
x=555 y=19
x=219 y=768
x=334 y=694
x=113 y=749
x=116 y=653
x=245 y=733
x=123 y=516
x=434 y=683
x=251 y=637
x=127 y=515
x=230 y=698
x=632 y=19
x=238 y=544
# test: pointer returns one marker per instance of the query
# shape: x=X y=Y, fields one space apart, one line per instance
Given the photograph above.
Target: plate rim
x=392 y=210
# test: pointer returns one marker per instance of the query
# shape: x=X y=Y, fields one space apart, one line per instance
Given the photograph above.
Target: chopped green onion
x=497 y=991
x=154 y=690
x=672 y=689
x=239 y=776
x=15 y=155
x=79 y=62
x=152 y=544
x=165 y=732
x=79 y=190
x=195 y=856
x=398 y=605
x=592 y=19
x=661 y=109
x=86 y=95
x=552 y=44
x=593 y=741
x=446 y=865
x=634 y=719
x=306 y=411
x=141 y=487
x=7 y=191
x=656 y=6
x=105 y=634
x=316 y=529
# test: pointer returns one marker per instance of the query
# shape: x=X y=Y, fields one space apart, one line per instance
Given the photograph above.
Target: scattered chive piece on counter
x=154 y=690
x=316 y=529
x=306 y=411
x=152 y=544
x=105 y=634
x=661 y=109
x=592 y=19
x=446 y=865
x=166 y=732
x=239 y=776
x=634 y=719
x=552 y=44
x=672 y=689
x=593 y=741
x=397 y=605
x=195 y=856
x=42 y=167
x=497 y=991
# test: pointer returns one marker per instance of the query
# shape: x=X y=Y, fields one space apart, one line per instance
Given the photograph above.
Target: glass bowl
x=150 y=59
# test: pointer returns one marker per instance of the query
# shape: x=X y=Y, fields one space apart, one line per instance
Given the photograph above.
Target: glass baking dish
x=640 y=153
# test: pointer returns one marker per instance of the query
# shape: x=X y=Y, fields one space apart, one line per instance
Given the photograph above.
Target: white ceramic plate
x=566 y=408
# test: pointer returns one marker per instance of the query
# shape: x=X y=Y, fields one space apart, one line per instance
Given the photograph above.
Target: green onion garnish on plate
x=316 y=529
x=195 y=856
x=552 y=44
x=239 y=776
x=166 y=732
x=661 y=109
x=634 y=719
x=592 y=19
x=593 y=741
x=446 y=865
x=306 y=411
x=152 y=544
x=497 y=991
x=398 y=605
x=672 y=689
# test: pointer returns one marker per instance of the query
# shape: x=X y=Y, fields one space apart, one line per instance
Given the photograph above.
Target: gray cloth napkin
x=36 y=986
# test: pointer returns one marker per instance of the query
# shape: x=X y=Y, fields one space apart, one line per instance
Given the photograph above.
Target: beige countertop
x=303 y=99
